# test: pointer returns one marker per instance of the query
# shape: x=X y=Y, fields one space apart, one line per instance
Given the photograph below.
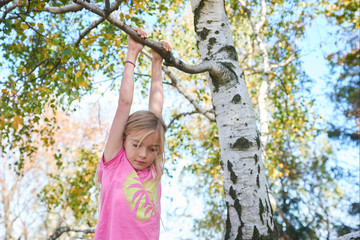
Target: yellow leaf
x=78 y=74
x=104 y=50
x=24 y=26
x=83 y=84
x=17 y=121
x=82 y=65
x=118 y=42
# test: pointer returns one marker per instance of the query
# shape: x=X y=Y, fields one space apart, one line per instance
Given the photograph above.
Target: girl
x=132 y=164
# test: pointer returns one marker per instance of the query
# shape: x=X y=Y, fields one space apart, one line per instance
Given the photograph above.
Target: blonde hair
x=149 y=122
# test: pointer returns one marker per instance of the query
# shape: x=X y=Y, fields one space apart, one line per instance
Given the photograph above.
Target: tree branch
x=180 y=115
x=61 y=10
x=62 y=230
x=107 y=7
x=8 y=10
x=87 y=30
x=256 y=33
x=47 y=60
x=4 y=2
x=99 y=21
x=170 y=60
x=287 y=61
x=260 y=24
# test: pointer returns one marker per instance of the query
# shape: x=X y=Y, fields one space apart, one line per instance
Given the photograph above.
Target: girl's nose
x=142 y=152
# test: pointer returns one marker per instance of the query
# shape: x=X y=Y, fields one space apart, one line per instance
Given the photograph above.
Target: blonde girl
x=132 y=164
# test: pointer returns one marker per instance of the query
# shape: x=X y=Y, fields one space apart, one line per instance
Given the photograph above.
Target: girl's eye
x=153 y=149
x=135 y=145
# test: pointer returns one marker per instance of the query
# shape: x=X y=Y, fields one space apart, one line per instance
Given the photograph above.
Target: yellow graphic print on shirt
x=140 y=196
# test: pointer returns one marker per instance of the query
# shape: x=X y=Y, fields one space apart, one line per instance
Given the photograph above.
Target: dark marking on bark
x=242 y=75
x=216 y=82
x=267 y=206
x=232 y=193
x=226 y=75
x=261 y=211
x=241 y=144
x=238 y=209
x=212 y=41
x=258 y=181
x=209 y=21
x=236 y=99
x=267 y=190
x=246 y=124
x=231 y=52
x=258 y=139
x=223 y=24
x=197 y=13
x=222 y=164
x=231 y=77
x=256 y=158
x=251 y=172
x=271 y=234
x=258 y=168
x=244 y=104
x=233 y=176
x=256 y=234
x=239 y=234
x=204 y=33
x=217 y=32
x=228 y=222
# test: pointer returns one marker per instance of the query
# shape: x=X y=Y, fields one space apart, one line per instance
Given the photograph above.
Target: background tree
x=345 y=64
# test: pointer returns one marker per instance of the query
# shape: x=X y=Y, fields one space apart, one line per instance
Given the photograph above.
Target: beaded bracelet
x=127 y=61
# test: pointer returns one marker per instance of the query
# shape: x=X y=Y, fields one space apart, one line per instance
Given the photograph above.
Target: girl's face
x=143 y=155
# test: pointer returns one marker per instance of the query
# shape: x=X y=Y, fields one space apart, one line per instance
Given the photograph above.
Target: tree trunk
x=249 y=213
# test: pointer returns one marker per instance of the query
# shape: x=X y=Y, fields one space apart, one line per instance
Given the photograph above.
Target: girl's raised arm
x=156 y=98
x=115 y=140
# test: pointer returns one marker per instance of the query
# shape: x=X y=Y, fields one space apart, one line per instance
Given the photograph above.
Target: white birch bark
x=249 y=211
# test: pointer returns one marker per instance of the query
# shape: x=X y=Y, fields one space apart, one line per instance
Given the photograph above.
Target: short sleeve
x=113 y=163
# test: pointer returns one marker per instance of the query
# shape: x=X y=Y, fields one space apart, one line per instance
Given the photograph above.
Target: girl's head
x=144 y=138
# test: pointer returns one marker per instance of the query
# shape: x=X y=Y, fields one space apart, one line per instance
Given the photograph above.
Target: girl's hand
x=134 y=46
x=156 y=56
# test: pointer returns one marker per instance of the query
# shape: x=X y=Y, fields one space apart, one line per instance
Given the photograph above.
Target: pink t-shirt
x=127 y=211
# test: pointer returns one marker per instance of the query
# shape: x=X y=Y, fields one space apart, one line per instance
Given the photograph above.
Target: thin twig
x=181 y=115
x=87 y=30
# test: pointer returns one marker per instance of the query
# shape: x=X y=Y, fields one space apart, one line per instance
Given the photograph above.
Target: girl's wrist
x=132 y=56
x=157 y=61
